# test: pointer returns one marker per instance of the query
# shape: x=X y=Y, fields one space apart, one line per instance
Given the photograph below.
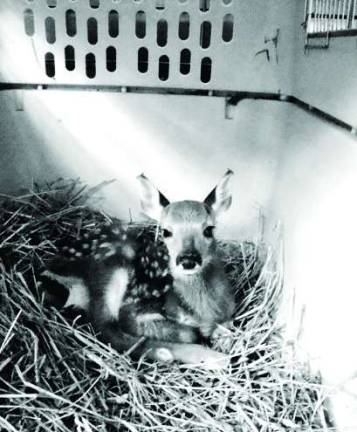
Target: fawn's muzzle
x=189 y=261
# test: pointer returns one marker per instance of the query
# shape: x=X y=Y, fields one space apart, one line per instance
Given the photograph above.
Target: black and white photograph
x=178 y=215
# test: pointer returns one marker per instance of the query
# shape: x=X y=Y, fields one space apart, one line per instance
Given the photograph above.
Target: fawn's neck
x=203 y=291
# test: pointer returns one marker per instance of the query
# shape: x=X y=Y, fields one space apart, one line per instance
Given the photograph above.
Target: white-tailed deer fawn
x=170 y=318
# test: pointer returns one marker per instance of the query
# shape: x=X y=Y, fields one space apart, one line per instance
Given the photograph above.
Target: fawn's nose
x=189 y=260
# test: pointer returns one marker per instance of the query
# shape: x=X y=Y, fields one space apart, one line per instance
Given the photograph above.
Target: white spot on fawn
x=128 y=252
x=115 y=291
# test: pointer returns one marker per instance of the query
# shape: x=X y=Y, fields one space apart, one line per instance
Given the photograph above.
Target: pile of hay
x=55 y=375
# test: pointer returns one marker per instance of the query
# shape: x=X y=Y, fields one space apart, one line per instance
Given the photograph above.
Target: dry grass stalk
x=55 y=375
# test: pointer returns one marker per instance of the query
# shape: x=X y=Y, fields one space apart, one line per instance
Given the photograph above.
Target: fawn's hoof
x=215 y=361
x=164 y=355
x=222 y=330
x=194 y=355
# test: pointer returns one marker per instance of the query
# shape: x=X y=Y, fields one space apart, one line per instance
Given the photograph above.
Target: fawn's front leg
x=146 y=319
x=164 y=351
x=179 y=313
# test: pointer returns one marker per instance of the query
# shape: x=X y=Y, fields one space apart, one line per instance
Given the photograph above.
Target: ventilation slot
x=205 y=35
x=140 y=25
x=51 y=3
x=92 y=28
x=94 y=4
x=206 y=69
x=71 y=23
x=161 y=37
x=184 y=26
x=90 y=65
x=113 y=23
x=69 y=58
x=29 y=21
x=160 y=4
x=111 y=59
x=227 y=30
x=50 y=26
x=185 y=61
x=50 y=65
x=205 y=5
x=143 y=60
x=164 y=67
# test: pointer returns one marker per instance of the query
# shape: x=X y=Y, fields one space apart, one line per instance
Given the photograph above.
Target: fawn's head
x=187 y=226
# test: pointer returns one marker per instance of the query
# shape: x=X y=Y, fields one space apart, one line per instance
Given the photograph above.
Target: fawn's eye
x=208 y=231
x=166 y=233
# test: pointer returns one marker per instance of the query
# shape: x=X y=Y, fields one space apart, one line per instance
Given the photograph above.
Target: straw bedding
x=56 y=375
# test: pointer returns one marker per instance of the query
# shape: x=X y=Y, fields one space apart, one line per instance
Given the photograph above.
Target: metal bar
x=313 y=5
x=333 y=15
x=335 y=33
x=307 y=12
x=329 y=13
x=342 y=14
x=309 y=19
x=354 y=12
x=325 y=15
x=349 y=14
x=323 y=115
x=232 y=97
x=345 y=14
x=318 y=13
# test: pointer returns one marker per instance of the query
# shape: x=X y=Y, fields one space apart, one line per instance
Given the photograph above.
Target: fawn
x=101 y=274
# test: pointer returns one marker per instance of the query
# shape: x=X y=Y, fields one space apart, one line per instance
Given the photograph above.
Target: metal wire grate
x=331 y=16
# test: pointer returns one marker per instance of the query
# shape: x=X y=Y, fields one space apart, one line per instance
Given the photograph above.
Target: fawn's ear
x=152 y=200
x=220 y=198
